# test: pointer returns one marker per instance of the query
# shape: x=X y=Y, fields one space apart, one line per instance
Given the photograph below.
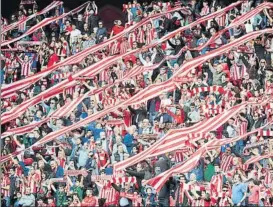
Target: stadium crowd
x=44 y=163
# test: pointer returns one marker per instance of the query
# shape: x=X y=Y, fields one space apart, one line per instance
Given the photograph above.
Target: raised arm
x=154 y=55
x=95 y=8
x=141 y=59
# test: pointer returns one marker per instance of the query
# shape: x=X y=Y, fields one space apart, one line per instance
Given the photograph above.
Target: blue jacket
x=60 y=172
x=128 y=141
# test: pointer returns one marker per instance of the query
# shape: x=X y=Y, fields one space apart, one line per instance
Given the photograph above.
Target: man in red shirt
x=53 y=59
x=117 y=28
x=101 y=156
x=89 y=200
x=254 y=196
x=68 y=27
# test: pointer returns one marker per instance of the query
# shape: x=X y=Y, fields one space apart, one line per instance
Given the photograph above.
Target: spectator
x=165 y=95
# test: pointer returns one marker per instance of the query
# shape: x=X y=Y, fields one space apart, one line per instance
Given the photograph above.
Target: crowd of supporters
x=100 y=71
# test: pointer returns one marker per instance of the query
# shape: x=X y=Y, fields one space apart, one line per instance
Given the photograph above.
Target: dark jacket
x=252 y=123
x=151 y=104
x=93 y=22
x=138 y=114
x=140 y=175
x=79 y=25
x=101 y=32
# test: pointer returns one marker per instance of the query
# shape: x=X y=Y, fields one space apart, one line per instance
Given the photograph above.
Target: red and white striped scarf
x=109 y=101
x=104 y=75
x=171 y=86
x=60 y=76
x=204 y=11
x=224 y=201
x=150 y=33
x=208 y=89
x=221 y=20
x=66 y=110
x=159 y=181
x=22 y=25
x=43 y=23
x=242 y=126
x=33 y=180
x=182 y=192
x=109 y=193
x=226 y=162
x=238 y=21
x=114 y=48
x=26 y=67
x=255 y=159
x=69 y=91
x=132 y=38
x=177 y=139
x=212 y=110
x=124 y=46
x=268 y=178
x=169 y=16
x=237 y=72
x=265 y=133
x=12 y=88
x=23 y=21
x=141 y=36
x=120 y=180
x=182 y=154
x=216 y=183
x=5 y=183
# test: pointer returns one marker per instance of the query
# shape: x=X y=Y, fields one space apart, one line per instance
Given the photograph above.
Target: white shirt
x=74 y=35
x=166 y=102
x=231 y=131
